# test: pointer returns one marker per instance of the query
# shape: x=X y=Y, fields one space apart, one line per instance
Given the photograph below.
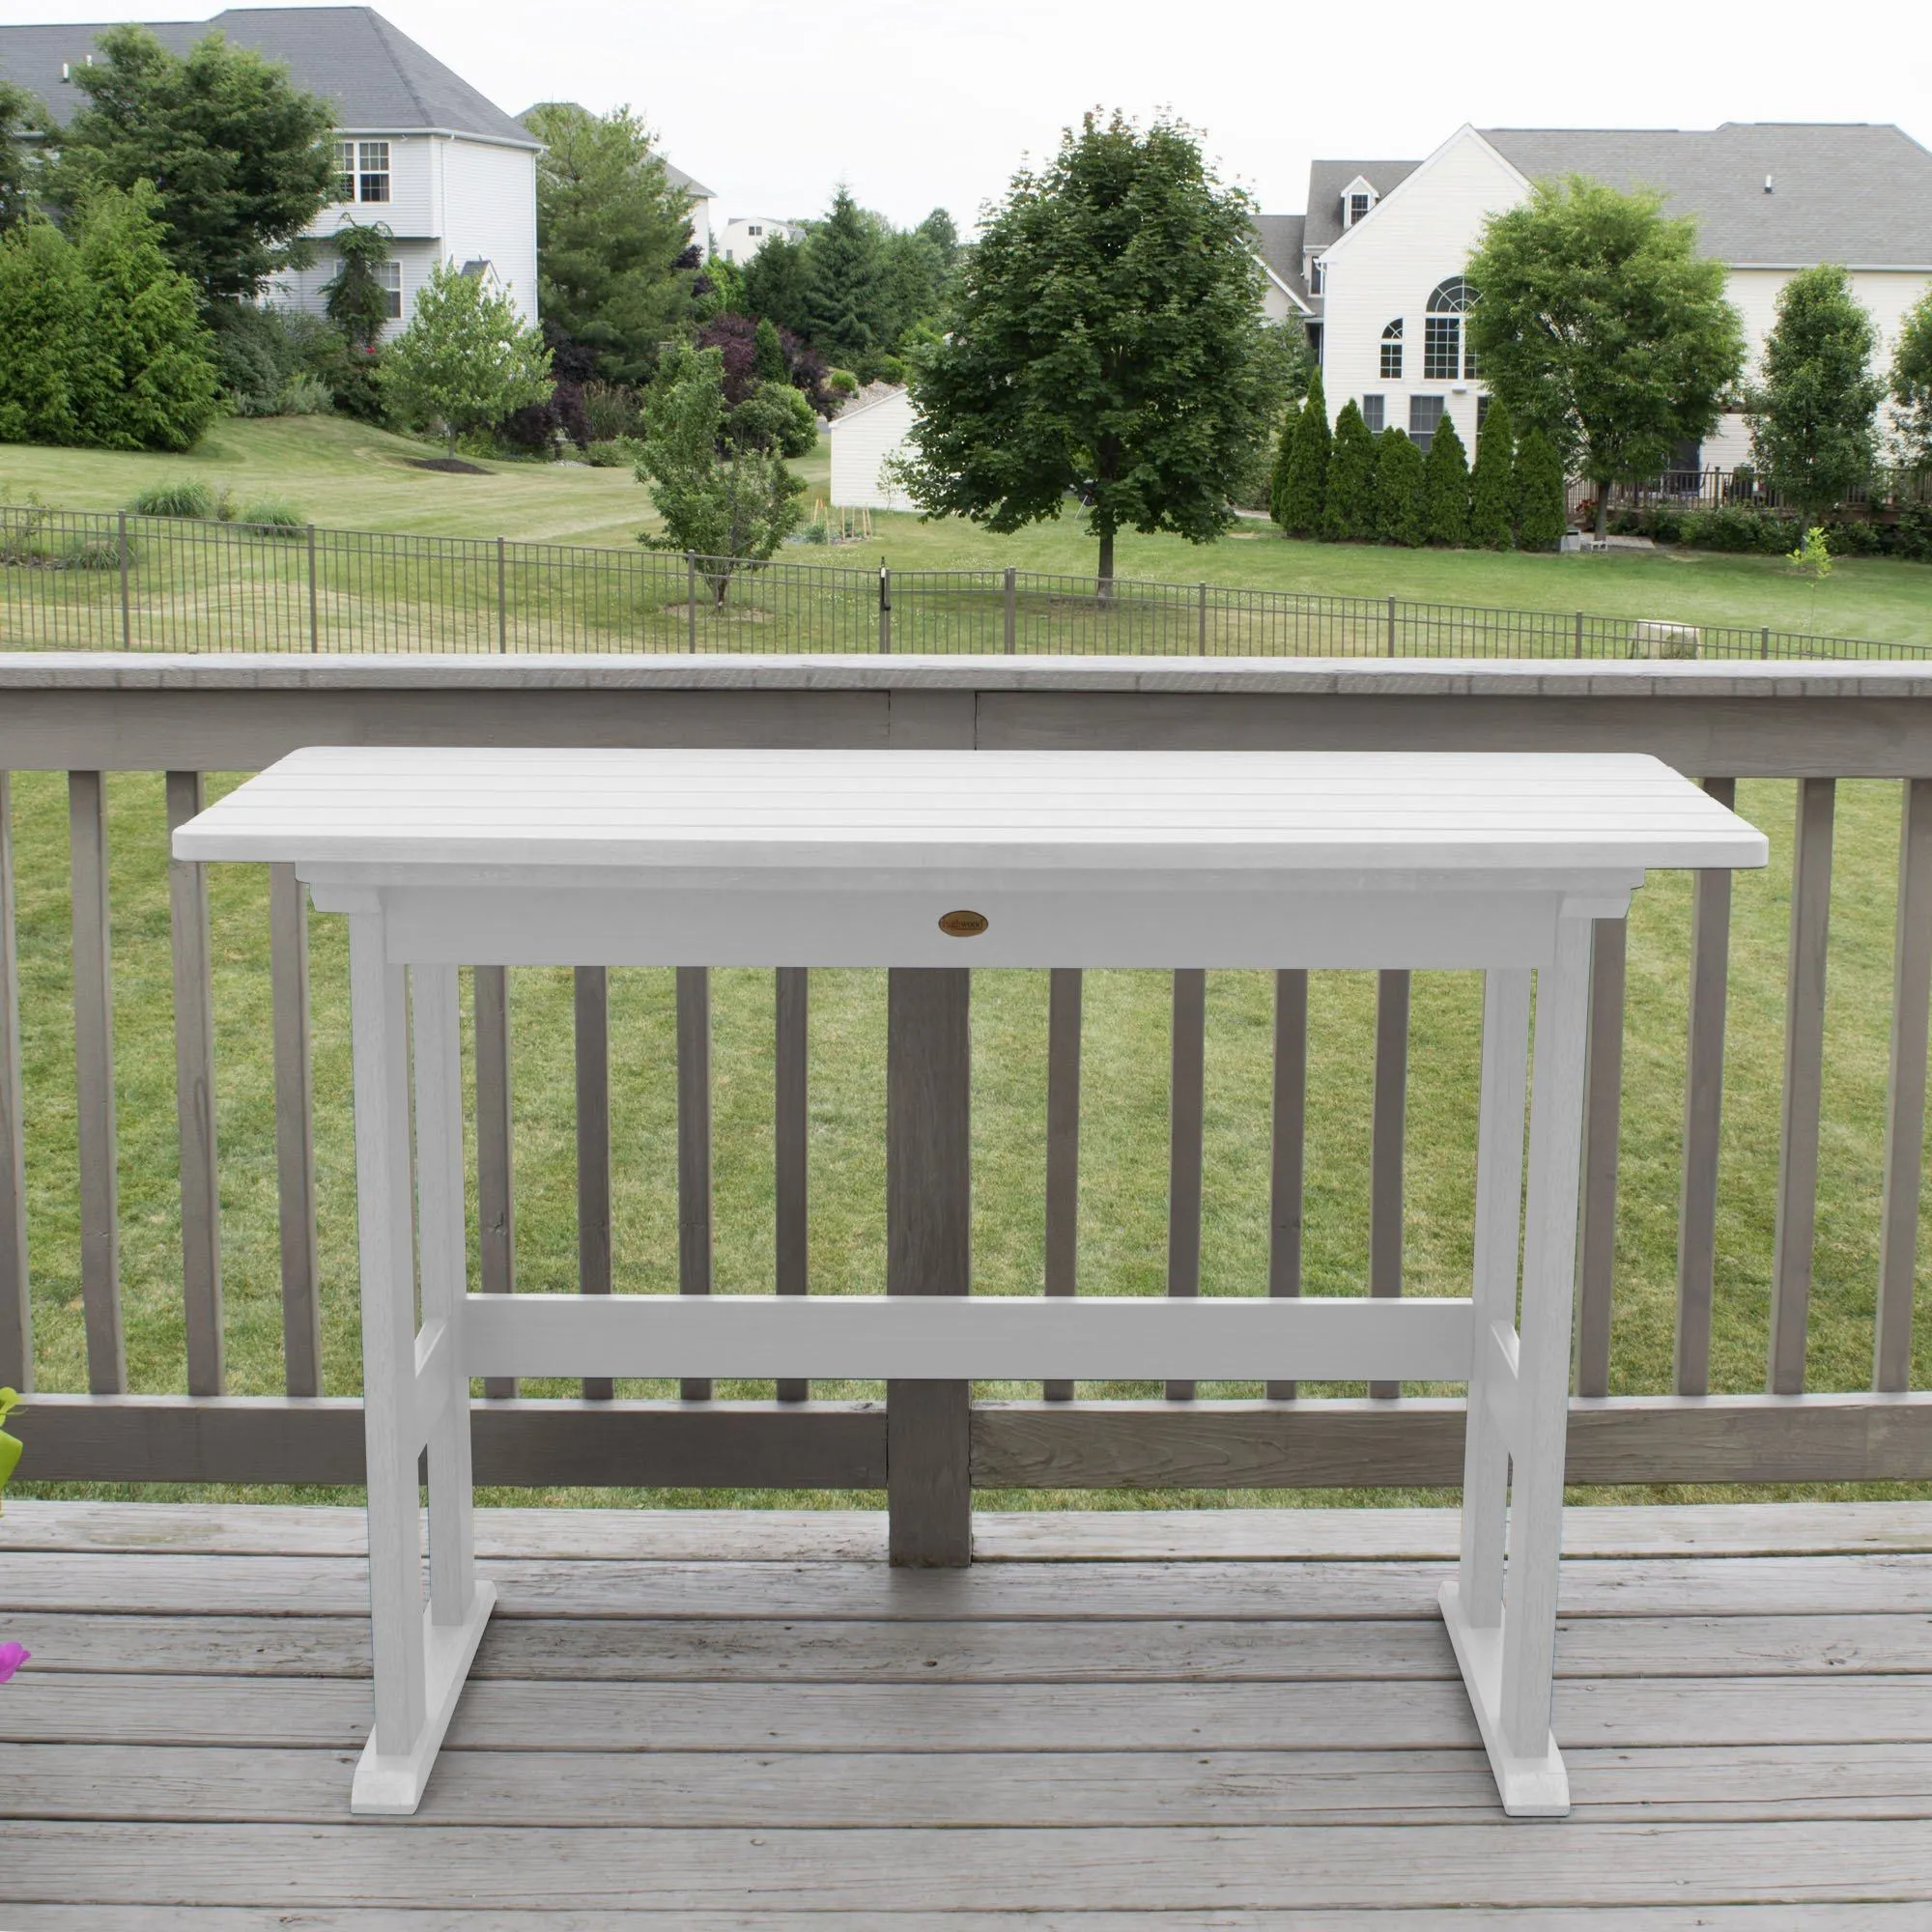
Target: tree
x=1599 y=324
x=1306 y=490
x=774 y=284
x=1493 y=484
x=1104 y=343
x=845 y=287
x=1398 y=490
x=1814 y=414
x=774 y=417
x=611 y=229
x=1284 y=466
x=1445 y=488
x=465 y=360
x=725 y=503
x=768 y=360
x=19 y=115
x=1349 y=515
x=241 y=159
x=355 y=298
x=45 y=313
x=1912 y=382
x=1542 y=513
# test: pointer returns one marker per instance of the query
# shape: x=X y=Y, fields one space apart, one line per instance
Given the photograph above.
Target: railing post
x=314 y=613
x=694 y=1147
x=1064 y=986
x=1905 y=1098
x=592 y=988
x=790 y=1135
x=1580 y=634
x=1603 y=1102
x=885 y=610
x=294 y=1131
x=1186 y=1117
x=1288 y=1153
x=1200 y=626
x=17 y=1315
x=1387 y=1130
x=502 y=603
x=495 y=1184
x=1391 y=627
x=1013 y=609
x=690 y=601
x=127 y=608
x=1764 y=642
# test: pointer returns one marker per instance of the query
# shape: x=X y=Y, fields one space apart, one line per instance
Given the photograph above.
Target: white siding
x=861 y=445
x=490 y=214
x=409 y=214
x=302 y=289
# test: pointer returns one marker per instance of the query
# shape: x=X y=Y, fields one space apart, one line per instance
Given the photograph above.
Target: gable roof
x=379 y=80
x=1327 y=181
x=1859 y=193
x=1278 y=242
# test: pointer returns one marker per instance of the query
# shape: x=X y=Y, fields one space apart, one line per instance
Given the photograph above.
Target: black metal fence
x=104 y=581
x=1886 y=491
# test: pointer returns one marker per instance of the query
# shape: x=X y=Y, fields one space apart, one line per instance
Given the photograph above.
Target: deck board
x=720 y=1722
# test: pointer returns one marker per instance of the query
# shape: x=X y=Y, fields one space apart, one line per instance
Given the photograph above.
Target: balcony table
x=444 y=858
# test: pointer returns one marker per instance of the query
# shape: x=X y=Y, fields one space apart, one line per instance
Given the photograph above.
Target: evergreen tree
x=20 y=115
x=43 y=315
x=1445 y=488
x=355 y=298
x=844 y=282
x=1491 y=488
x=1307 y=489
x=773 y=284
x=147 y=377
x=768 y=359
x=1398 y=471
x=1350 y=514
x=1542 y=513
x=1284 y=462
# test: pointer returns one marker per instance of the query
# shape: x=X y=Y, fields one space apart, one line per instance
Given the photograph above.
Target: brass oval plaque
x=962 y=925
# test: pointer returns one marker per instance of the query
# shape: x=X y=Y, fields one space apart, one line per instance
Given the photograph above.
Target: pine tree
x=44 y=310
x=1541 y=512
x=1284 y=462
x=1349 y=515
x=1445 y=488
x=1307 y=488
x=1398 y=471
x=1491 y=486
x=844 y=282
x=768 y=359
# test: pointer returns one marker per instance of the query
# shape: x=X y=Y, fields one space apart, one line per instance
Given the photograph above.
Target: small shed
x=865 y=434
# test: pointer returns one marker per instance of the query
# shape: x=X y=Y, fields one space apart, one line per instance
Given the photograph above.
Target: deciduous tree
x=1398 y=490
x=1103 y=347
x=1349 y=515
x=1599 y=323
x=1445 y=488
x=1814 y=412
x=1912 y=382
x=467 y=359
x=1492 y=482
x=19 y=114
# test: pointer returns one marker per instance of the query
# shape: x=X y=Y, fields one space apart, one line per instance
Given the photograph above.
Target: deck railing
x=189 y=716
x=83 y=579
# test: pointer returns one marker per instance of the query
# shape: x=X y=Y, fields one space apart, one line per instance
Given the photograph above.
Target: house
x=416 y=147
x=871 y=430
x=745 y=235
x=703 y=204
x=1383 y=244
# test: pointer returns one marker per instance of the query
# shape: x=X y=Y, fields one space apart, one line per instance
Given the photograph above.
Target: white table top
x=699 y=814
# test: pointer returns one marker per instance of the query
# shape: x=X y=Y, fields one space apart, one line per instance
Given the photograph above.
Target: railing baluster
x=194 y=1101
x=1803 y=1080
x=1187 y=1090
x=17 y=1308
x=1905 y=1094
x=1065 y=986
x=1703 y=1117
x=593 y=1145
x=1386 y=1134
x=94 y=1086
x=1290 y=1147
x=694 y=1147
x=295 y=1132
x=1602 y=1111
x=496 y=1183
x=791 y=1139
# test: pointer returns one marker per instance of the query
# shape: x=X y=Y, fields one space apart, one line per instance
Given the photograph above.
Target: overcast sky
x=919 y=105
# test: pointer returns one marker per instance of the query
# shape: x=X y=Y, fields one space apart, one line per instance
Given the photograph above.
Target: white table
x=1223 y=859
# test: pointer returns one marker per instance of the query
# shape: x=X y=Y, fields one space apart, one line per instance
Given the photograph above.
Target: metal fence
x=1887 y=489
x=75 y=579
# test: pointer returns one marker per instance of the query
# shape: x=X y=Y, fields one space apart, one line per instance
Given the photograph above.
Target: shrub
x=1348 y=515
x=1305 y=488
x=1445 y=488
x=273 y=516
x=1399 y=470
x=611 y=454
x=1541 y=513
x=306 y=395
x=184 y=497
x=1490 y=523
x=1284 y=462
x=609 y=411
x=841 y=381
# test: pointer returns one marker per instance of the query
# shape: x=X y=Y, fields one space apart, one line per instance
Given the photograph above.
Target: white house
x=703 y=205
x=416 y=147
x=744 y=235
x=1383 y=244
x=865 y=436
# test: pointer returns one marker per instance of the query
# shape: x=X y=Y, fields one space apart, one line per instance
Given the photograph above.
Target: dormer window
x=1358 y=205
x=1392 y=351
x=1357 y=198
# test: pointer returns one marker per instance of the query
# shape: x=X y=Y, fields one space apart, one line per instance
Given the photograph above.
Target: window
x=345 y=171
x=754 y=228
x=1316 y=276
x=1481 y=412
x=390 y=274
x=1442 y=359
x=1424 y=413
x=1374 y=413
x=1358 y=205
x=372 y=175
x=1392 y=351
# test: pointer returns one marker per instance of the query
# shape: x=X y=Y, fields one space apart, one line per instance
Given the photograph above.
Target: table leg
x=1525 y=1382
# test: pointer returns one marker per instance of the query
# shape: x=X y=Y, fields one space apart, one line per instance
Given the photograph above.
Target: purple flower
x=12 y=1657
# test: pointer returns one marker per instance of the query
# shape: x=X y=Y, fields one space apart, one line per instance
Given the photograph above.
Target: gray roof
x=1856 y=193
x=378 y=79
x=1278 y=239
x=691 y=187
x=1327 y=179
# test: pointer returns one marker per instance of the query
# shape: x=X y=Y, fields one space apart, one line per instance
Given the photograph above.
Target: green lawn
x=1123 y=1194
x=349 y=476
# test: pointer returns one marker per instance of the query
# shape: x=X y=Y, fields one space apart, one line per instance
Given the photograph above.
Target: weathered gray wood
x=194 y=1101
x=1703 y=1117
x=1387 y=1133
x=1168 y=1868
x=1064 y=986
x=1289 y=1146
x=495 y=1139
x=791 y=1133
x=1602 y=1111
x=295 y=1133
x=694 y=1147
x=1905 y=1093
x=929 y=1251
x=1188 y=1083
x=592 y=1012
x=1804 y=1086
x=94 y=1085
x=16 y=1305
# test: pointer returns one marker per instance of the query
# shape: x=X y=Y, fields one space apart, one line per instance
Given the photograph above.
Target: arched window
x=1392 y=351
x=1442 y=330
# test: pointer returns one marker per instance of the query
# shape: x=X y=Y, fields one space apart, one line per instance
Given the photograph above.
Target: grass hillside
x=349 y=476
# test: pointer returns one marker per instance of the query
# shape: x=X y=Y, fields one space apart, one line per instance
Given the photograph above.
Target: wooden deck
x=1112 y=1722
